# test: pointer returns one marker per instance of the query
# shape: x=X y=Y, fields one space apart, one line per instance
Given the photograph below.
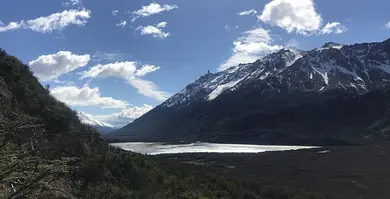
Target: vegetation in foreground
x=45 y=152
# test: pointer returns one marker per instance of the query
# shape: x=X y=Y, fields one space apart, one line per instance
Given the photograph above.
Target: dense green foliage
x=46 y=152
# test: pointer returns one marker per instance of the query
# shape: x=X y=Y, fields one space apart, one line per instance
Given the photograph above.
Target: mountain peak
x=319 y=70
x=90 y=120
x=332 y=45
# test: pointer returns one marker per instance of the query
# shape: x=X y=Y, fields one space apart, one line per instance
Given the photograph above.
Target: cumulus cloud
x=122 y=23
x=152 y=9
x=50 y=67
x=75 y=96
x=129 y=72
x=247 y=12
x=253 y=45
x=155 y=31
x=334 y=27
x=292 y=15
x=125 y=116
x=56 y=21
x=387 y=25
x=115 y=12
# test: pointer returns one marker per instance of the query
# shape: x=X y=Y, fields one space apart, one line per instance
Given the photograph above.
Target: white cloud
x=68 y=83
x=387 y=25
x=152 y=9
x=129 y=72
x=292 y=15
x=155 y=31
x=56 y=21
x=107 y=56
x=146 y=69
x=50 y=67
x=247 y=12
x=227 y=27
x=334 y=27
x=115 y=12
x=162 y=24
x=11 y=26
x=59 y=20
x=125 y=116
x=149 y=89
x=75 y=96
x=69 y=3
x=122 y=23
x=253 y=45
x=125 y=70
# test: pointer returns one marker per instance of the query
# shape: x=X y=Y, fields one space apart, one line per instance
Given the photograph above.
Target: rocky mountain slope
x=233 y=105
x=100 y=126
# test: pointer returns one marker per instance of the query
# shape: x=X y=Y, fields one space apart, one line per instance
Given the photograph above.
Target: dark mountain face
x=330 y=95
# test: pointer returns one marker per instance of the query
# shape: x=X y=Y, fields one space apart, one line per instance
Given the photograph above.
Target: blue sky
x=117 y=59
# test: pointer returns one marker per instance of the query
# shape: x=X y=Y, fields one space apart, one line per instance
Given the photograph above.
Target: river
x=154 y=148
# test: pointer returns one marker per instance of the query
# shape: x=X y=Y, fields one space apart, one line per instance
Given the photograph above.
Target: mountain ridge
x=279 y=79
x=284 y=60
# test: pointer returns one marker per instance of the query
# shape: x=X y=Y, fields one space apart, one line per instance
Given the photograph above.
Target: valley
x=172 y=99
x=330 y=172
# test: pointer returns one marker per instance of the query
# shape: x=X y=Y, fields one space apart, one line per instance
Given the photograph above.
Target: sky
x=117 y=59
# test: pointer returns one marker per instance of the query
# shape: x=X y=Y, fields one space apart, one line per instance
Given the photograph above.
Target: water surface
x=153 y=148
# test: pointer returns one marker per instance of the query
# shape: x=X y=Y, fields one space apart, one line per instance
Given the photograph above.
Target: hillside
x=46 y=152
x=335 y=94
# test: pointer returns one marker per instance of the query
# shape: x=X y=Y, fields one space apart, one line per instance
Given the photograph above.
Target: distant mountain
x=232 y=105
x=100 y=126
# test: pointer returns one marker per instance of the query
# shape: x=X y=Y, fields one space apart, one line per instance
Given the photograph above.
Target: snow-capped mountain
x=210 y=86
x=359 y=67
x=260 y=99
x=102 y=127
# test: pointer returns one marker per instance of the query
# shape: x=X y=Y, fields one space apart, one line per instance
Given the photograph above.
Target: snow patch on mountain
x=331 y=45
x=221 y=88
x=323 y=72
x=90 y=120
x=385 y=68
x=296 y=54
x=210 y=86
